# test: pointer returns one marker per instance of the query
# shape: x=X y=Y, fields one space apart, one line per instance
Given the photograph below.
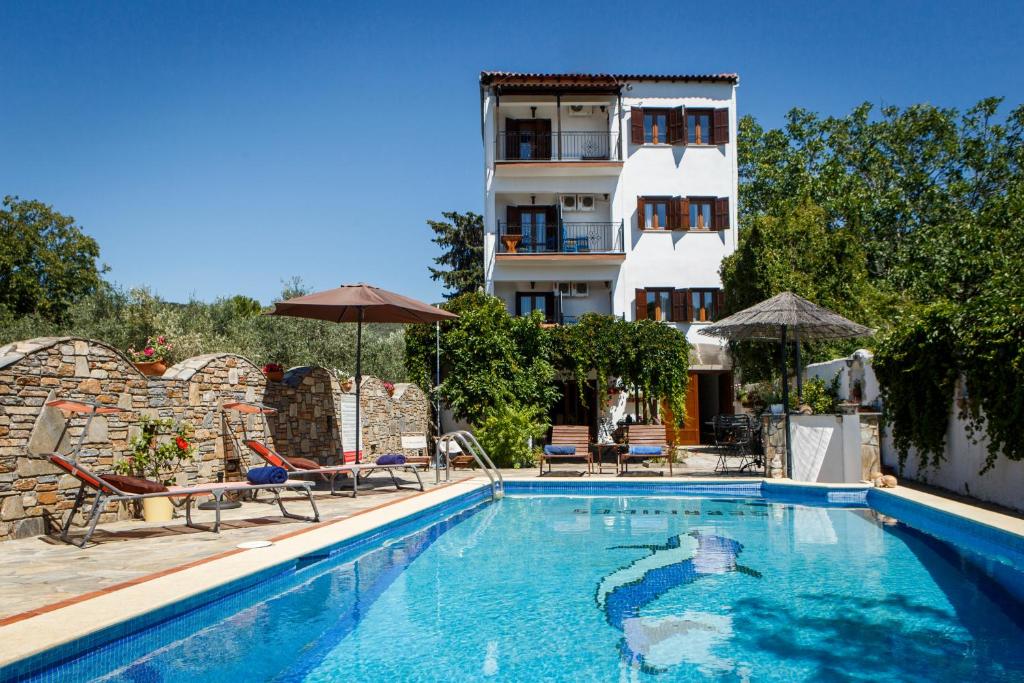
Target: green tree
x=46 y=262
x=461 y=263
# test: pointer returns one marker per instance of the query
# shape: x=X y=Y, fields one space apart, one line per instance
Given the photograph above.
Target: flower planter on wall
x=274 y=375
x=153 y=369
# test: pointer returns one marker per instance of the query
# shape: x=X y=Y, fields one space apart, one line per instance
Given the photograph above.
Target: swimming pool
x=605 y=581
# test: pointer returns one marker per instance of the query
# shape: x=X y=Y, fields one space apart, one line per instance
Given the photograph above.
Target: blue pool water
x=606 y=588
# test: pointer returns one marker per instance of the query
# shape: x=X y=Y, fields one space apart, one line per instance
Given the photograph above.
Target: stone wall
x=34 y=495
x=773 y=439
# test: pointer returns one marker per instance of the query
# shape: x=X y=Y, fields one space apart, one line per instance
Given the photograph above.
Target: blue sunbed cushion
x=391 y=459
x=645 y=450
x=267 y=475
x=560 y=450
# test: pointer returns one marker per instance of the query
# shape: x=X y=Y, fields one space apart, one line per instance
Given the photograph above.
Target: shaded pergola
x=358 y=304
x=788 y=318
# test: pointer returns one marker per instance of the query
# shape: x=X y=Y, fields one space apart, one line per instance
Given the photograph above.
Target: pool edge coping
x=36 y=631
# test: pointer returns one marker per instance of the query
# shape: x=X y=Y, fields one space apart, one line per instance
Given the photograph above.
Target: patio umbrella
x=780 y=317
x=358 y=304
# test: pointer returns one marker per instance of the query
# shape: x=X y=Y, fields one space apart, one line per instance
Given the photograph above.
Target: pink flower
x=148 y=351
x=159 y=340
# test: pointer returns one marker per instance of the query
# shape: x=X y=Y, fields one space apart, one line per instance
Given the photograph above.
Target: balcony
x=527 y=146
x=591 y=242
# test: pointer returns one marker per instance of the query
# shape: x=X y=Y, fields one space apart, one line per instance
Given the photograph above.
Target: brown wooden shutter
x=519 y=305
x=515 y=221
x=641 y=304
x=552 y=312
x=636 y=125
x=542 y=144
x=720 y=302
x=686 y=129
x=679 y=299
x=684 y=213
x=721 y=214
x=675 y=221
x=721 y=128
x=640 y=211
x=676 y=120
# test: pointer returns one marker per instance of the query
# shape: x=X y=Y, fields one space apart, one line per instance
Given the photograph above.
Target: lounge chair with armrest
x=645 y=442
x=568 y=442
x=111 y=488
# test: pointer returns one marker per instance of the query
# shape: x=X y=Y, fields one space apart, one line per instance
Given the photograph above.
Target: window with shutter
x=721 y=213
x=640 y=213
x=684 y=213
x=721 y=132
x=719 y=303
x=679 y=300
x=527 y=302
x=654 y=212
x=676 y=134
x=641 y=304
x=514 y=223
x=674 y=218
x=699 y=126
x=659 y=303
x=636 y=125
x=702 y=213
x=704 y=305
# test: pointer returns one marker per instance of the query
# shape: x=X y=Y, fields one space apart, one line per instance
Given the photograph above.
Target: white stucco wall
x=959 y=472
x=854 y=367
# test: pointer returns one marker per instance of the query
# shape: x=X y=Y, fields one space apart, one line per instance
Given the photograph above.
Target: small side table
x=603 y=449
x=511 y=242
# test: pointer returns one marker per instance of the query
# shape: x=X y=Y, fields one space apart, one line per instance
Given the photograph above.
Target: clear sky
x=217 y=148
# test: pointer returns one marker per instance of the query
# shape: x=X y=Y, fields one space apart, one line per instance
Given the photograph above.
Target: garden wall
x=32 y=492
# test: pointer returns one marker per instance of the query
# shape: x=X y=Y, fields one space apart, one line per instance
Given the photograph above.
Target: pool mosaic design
x=591 y=582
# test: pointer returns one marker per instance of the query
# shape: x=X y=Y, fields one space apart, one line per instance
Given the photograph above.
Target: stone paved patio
x=42 y=570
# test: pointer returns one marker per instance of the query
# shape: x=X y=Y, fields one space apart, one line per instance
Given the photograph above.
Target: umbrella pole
x=437 y=374
x=785 y=407
x=799 y=372
x=359 y=379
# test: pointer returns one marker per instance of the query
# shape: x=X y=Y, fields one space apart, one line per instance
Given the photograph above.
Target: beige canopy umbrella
x=782 y=317
x=358 y=304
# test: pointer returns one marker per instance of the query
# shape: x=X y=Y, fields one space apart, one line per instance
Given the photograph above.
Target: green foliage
x=657 y=364
x=461 y=238
x=505 y=432
x=159 y=450
x=125 y=319
x=822 y=397
x=921 y=210
x=46 y=262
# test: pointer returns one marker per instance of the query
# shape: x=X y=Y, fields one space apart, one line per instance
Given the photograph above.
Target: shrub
x=506 y=430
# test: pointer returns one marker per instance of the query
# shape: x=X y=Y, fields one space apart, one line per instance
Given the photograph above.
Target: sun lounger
x=645 y=442
x=295 y=468
x=570 y=442
x=110 y=488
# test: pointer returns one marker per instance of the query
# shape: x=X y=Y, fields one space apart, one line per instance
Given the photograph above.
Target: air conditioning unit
x=569 y=202
x=581 y=110
x=564 y=288
x=585 y=202
x=581 y=289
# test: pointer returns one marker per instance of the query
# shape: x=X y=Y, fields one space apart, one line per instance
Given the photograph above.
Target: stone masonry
x=34 y=495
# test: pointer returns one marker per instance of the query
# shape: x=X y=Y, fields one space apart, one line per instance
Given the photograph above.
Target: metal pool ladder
x=462 y=441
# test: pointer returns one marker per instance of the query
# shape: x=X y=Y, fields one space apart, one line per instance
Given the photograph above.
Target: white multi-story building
x=614 y=194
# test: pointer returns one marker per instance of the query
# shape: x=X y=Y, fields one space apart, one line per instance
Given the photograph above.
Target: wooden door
x=689 y=435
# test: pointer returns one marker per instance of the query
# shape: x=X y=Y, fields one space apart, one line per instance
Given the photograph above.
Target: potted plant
x=390 y=388
x=158 y=451
x=152 y=359
x=274 y=372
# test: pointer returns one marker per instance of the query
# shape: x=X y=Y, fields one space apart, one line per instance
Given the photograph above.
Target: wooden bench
x=569 y=435
x=646 y=435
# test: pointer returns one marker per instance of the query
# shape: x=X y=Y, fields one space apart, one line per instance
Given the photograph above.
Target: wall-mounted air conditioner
x=581 y=110
x=581 y=289
x=564 y=288
x=569 y=202
x=585 y=202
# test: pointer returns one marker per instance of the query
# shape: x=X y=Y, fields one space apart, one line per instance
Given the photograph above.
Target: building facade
x=614 y=194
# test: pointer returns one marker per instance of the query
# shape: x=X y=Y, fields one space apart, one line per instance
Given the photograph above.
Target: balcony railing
x=564 y=238
x=564 y=146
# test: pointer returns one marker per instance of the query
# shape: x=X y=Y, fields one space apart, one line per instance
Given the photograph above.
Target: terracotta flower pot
x=274 y=375
x=154 y=368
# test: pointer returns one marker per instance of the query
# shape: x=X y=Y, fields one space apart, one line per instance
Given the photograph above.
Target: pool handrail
x=467 y=444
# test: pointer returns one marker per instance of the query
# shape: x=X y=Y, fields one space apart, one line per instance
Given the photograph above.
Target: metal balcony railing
x=565 y=238
x=564 y=146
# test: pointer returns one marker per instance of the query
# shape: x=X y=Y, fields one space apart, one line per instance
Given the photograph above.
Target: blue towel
x=267 y=475
x=391 y=459
x=645 y=450
x=560 y=450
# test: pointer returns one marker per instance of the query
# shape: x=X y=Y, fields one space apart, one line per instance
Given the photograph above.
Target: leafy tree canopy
x=46 y=262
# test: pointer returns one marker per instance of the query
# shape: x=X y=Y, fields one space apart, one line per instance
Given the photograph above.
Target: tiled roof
x=579 y=79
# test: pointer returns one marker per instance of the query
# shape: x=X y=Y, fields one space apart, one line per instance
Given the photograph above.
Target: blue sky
x=217 y=148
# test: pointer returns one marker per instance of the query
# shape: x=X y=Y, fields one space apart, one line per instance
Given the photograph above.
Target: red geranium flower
x=182 y=443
